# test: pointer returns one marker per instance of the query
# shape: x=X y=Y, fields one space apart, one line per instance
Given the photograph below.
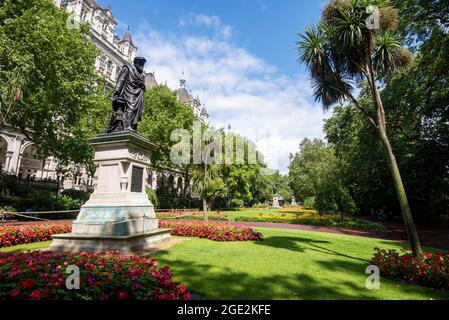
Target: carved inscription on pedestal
x=137 y=179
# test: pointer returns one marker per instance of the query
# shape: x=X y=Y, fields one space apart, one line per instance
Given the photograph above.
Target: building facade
x=18 y=155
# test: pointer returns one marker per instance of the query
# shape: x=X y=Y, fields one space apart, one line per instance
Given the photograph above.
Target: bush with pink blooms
x=432 y=270
x=15 y=235
x=216 y=231
x=41 y=275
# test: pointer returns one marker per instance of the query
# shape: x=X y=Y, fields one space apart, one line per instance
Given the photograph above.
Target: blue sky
x=267 y=28
x=239 y=56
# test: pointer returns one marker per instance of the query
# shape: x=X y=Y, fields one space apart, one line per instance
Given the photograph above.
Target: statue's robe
x=130 y=91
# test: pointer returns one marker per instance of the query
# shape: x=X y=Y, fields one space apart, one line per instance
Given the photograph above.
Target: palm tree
x=207 y=183
x=342 y=50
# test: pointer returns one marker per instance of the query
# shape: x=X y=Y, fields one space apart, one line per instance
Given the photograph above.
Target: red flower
x=15 y=293
x=28 y=283
x=35 y=295
x=138 y=278
x=122 y=295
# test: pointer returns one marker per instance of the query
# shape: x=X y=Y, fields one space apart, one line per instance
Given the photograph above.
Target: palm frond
x=331 y=89
x=386 y=57
x=352 y=40
x=312 y=50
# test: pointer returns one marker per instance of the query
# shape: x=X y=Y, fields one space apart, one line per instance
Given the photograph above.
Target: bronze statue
x=128 y=99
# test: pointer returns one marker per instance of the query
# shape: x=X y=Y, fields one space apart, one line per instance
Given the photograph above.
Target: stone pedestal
x=294 y=201
x=276 y=202
x=118 y=215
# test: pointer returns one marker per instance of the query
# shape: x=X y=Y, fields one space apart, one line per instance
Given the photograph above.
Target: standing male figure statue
x=128 y=99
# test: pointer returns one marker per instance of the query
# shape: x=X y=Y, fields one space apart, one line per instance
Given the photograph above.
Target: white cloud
x=239 y=88
x=212 y=22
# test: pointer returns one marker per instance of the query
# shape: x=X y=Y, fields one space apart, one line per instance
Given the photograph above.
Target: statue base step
x=135 y=244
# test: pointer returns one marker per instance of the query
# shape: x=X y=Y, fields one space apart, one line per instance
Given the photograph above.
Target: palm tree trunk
x=399 y=186
x=402 y=196
x=205 y=210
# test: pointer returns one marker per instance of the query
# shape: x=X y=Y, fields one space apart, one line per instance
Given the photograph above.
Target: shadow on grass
x=336 y=275
x=221 y=282
x=300 y=244
x=224 y=283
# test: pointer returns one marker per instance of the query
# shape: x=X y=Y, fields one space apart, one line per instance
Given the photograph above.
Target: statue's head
x=139 y=63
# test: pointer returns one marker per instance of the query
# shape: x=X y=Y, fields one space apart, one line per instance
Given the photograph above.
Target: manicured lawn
x=288 y=264
x=250 y=212
x=31 y=246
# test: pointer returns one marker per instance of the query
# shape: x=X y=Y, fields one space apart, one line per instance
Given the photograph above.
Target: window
x=102 y=67
x=110 y=70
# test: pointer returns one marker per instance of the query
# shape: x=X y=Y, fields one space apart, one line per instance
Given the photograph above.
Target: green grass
x=288 y=264
x=250 y=212
x=31 y=246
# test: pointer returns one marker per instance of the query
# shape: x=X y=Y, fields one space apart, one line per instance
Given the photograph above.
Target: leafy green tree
x=315 y=174
x=307 y=167
x=341 y=50
x=49 y=88
x=419 y=18
x=361 y=160
x=164 y=114
x=280 y=185
x=416 y=108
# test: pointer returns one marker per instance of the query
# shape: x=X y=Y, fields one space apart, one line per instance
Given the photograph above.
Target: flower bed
x=15 y=235
x=41 y=275
x=430 y=271
x=211 y=231
x=330 y=220
x=162 y=215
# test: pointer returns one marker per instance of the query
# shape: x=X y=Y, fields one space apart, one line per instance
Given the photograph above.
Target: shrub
x=309 y=203
x=65 y=203
x=330 y=220
x=42 y=275
x=212 y=231
x=152 y=197
x=15 y=235
x=432 y=270
x=83 y=196
x=47 y=202
x=237 y=203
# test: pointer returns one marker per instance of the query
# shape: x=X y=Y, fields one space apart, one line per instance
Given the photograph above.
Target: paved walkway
x=429 y=236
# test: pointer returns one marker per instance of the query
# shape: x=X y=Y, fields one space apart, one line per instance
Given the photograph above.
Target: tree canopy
x=49 y=88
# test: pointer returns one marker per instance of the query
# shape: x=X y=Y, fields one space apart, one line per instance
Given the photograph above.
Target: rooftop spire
x=183 y=80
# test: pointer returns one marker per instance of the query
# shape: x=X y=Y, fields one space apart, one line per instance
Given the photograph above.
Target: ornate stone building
x=18 y=155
